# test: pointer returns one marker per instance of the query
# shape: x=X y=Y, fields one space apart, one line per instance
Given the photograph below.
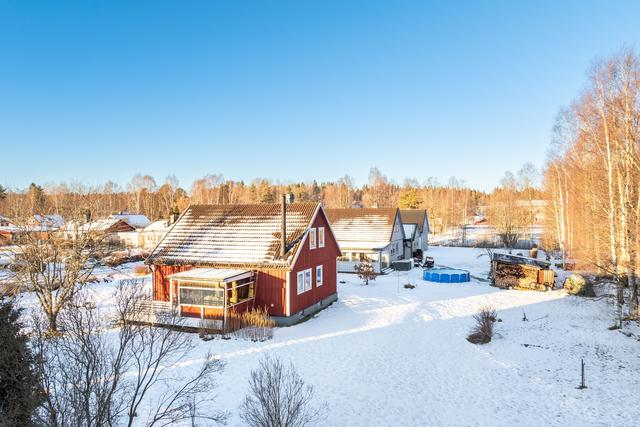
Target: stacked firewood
x=521 y=276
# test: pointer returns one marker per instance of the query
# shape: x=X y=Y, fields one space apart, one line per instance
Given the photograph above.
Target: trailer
x=518 y=272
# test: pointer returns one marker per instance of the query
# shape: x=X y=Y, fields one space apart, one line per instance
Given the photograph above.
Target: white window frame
x=321 y=237
x=313 y=242
x=302 y=284
x=319 y=269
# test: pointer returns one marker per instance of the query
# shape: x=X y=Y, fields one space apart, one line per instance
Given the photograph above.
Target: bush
x=576 y=284
x=278 y=397
x=482 y=332
x=140 y=270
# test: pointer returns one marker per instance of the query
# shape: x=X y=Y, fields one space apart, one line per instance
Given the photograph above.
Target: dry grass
x=255 y=324
x=140 y=270
x=482 y=332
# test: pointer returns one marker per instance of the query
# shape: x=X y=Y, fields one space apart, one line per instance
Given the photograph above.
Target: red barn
x=221 y=257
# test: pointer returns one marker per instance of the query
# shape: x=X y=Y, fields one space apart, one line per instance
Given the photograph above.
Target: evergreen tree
x=3 y=193
x=410 y=200
x=20 y=392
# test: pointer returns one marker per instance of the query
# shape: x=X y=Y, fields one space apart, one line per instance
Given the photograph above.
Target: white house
x=374 y=234
x=416 y=228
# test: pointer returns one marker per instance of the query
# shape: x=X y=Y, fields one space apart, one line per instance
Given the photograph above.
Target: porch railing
x=350 y=266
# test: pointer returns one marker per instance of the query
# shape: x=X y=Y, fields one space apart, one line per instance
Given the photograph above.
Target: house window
x=303 y=281
x=319 y=276
x=300 y=282
x=202 y=296
x=312 y=238
x=321 y=237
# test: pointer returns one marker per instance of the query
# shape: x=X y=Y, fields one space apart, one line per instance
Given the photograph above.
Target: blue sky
x=92 y=91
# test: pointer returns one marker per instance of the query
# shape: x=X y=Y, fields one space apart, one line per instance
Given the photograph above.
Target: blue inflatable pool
x=446 y=275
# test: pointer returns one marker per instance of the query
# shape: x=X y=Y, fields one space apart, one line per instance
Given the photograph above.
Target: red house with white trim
x=221 y=257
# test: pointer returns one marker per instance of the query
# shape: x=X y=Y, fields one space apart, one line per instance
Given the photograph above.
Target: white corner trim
x=287 y=289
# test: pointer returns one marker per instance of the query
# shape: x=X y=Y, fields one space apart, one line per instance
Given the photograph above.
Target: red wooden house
x=222 y=257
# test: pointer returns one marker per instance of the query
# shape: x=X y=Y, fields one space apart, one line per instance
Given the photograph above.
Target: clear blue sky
x=299 y=90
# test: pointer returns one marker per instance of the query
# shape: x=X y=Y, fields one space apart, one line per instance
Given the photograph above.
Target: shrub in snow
x=576 y=284
x=278 y=397
x=482 y=332
x=365 y=271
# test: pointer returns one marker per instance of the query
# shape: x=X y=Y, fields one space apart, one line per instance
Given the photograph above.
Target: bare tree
x=54 y=263
x=109 y=361
x=365 y=271
x=278 y=397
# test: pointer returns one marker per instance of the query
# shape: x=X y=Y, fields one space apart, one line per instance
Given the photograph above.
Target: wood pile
x=517 y=276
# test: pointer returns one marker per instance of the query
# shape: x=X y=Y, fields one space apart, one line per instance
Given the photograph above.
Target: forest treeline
x=449 y=205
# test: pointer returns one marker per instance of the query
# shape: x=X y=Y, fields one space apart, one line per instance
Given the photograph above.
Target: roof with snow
x=99 y=225
x=212 y=274
x=160 y=225
x=54 y=221
x=134 y=220
x=414 y=216
x=235 y=235
x=358 y=228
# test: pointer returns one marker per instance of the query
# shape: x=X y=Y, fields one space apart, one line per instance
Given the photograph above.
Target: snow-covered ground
x=385 y=355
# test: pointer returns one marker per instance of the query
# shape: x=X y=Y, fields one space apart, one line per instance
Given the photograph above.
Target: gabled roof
x=366 y=228
x=53 y=221
x=134 y=220
x=414 y=216
x=160 y=225
x=103 y=225
x=235 y=235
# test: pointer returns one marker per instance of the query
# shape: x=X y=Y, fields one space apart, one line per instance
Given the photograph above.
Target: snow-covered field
x=385 y=355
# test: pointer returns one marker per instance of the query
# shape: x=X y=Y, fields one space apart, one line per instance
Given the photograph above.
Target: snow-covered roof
x=409 y=229
x=367 y=227
x=234 y=235
x=134 y=220
x=212 y=274
x=161 y=225
x=414 y=216
x=98 y=225
x=53 y=221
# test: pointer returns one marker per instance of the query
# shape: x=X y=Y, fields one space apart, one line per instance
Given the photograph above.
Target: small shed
x=519 y=272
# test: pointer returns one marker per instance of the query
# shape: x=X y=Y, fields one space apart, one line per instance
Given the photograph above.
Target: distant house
x=48 y=222
x=8 y=231
x=222 y=259
x=137 y=221
x=376 y=234
x=416 y=230
x=38 y=225
x=115 y=231
x=152 y=234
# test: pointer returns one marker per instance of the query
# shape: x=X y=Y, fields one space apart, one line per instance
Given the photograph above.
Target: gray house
x=374 y=234
x=416 y=229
